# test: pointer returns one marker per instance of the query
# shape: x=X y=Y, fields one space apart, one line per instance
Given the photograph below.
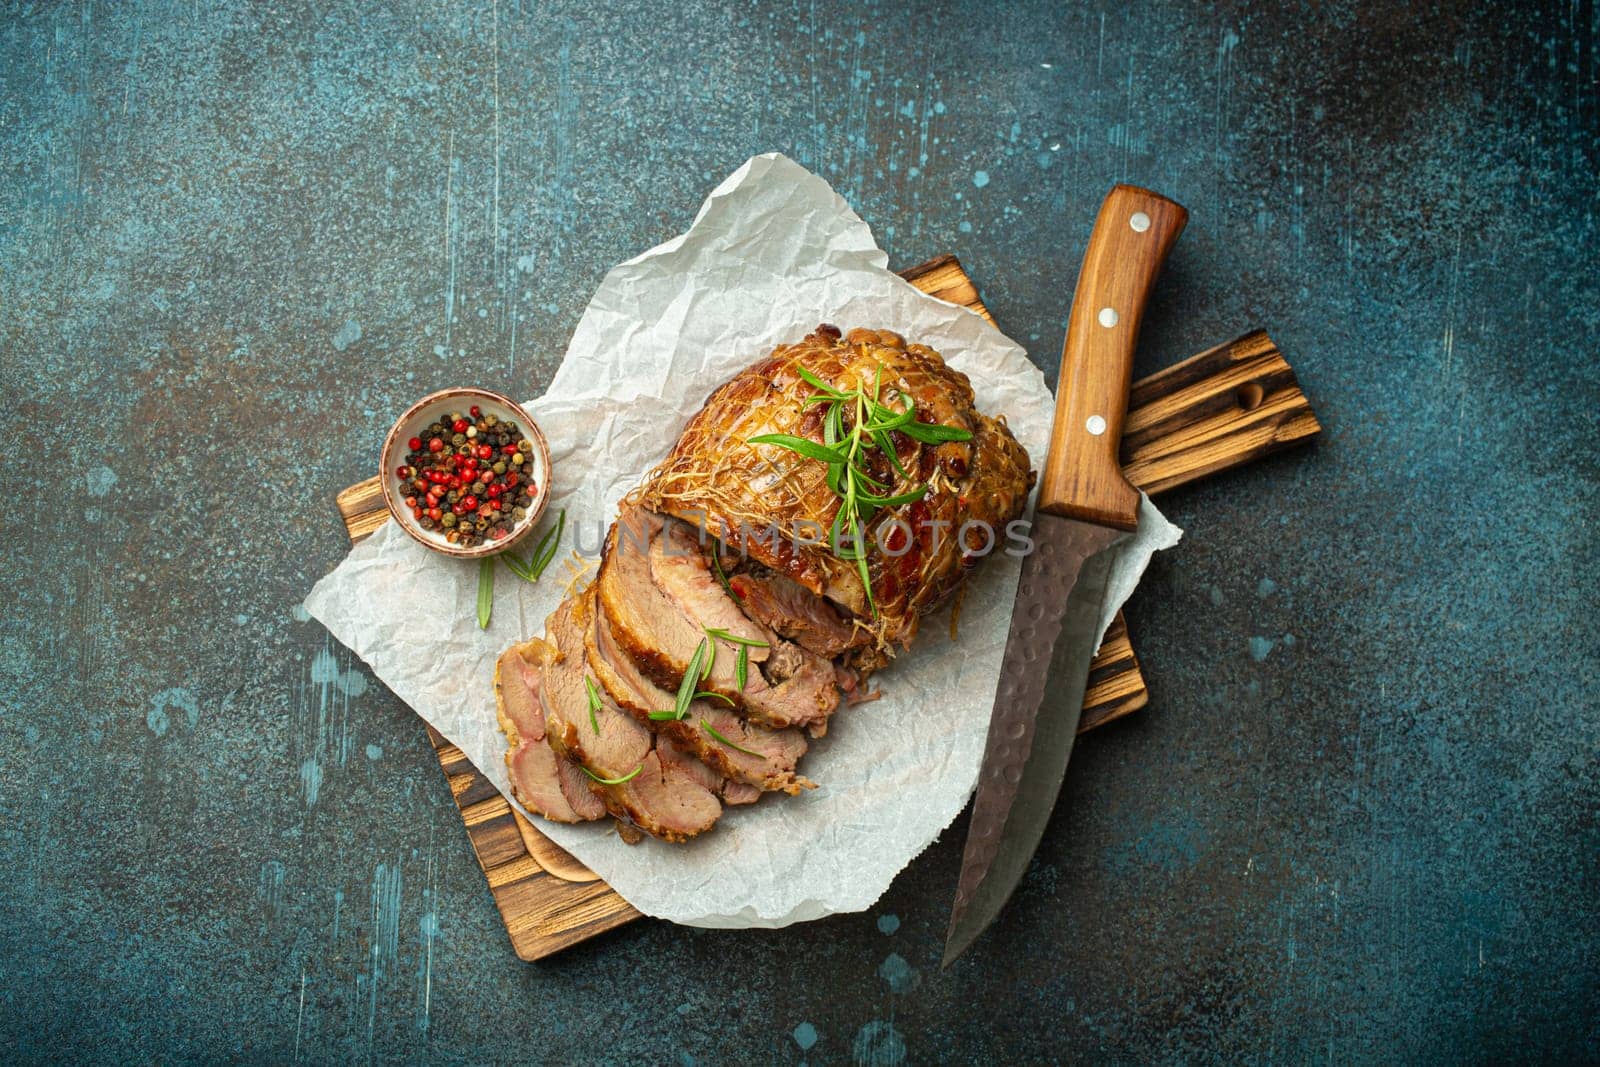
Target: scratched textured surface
x=1359 y=820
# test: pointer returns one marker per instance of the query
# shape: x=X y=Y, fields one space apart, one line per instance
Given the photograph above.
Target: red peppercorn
x=469 y=503
x=455 y=481
x=435 y=514
x=411 y=502
x=485 y=451
x=483 y=512
x=510 y=450
x=511 y=479
x=494 y=492
x=417 y=513
x=415 y=443
x=460 y=426
x=436 y=445
x=474 y=411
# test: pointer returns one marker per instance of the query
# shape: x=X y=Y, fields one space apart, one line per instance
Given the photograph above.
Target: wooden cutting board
x=1214 y=411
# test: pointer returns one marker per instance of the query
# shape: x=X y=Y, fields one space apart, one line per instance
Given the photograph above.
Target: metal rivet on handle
x=1096 y=425
x=1140 y=222
x=1108 y=317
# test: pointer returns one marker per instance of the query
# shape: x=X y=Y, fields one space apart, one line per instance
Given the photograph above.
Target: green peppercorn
x=449 y=519
x=458 y=439
x=524 y=445
x=490 y=420
x=500 y=467
x=452 y=496
x=519 y=513
x=516 y=460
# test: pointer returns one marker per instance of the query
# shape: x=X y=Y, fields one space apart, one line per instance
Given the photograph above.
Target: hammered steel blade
x=1036 y=709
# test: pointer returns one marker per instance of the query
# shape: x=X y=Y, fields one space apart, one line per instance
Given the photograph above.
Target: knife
x=1085 y=509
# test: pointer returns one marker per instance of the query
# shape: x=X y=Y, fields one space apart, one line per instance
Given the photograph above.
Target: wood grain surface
x=1082 y=477
x=1214 y=411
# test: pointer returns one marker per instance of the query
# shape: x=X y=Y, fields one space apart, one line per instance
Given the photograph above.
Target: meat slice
x=791 y=610
x=732 y=792
x=652 y=628
x=665 y=799
x=542 y=781
x=678 y=566
x=769 y=757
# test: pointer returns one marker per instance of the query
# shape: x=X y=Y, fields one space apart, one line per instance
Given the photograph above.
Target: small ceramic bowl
x=423 y=414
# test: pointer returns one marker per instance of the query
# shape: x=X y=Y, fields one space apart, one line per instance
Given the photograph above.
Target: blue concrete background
x=1358 y=822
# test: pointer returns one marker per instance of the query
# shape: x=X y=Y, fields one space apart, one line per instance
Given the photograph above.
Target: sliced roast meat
x=617 y=752
x=542 y=781
x=612 y=742
x=678 y=566
x=731 y=791
x=791 y=610
x=765 y=758
x=652 y=628
x=735 y=793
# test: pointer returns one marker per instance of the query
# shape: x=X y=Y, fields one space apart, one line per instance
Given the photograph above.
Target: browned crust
x=714 y=480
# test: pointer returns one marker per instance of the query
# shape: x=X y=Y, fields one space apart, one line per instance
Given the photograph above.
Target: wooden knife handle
x=1082 y=476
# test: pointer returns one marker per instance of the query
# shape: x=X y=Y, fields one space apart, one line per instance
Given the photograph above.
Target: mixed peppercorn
x=469 y=478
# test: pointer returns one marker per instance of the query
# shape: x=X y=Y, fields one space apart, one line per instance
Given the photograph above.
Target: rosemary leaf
x=545 y=550
x=732 y=639
x=894 y=501
x=691 y=679
x=708 y=694
x=630 y=776
x=663 y=716
x=516 y=566
x=820 y=385
x=712 y=730
x=594 y=703
x=933 y=433
x=741 y=667
x=801 y=445
x=485 y=591
x=716 y=565
x=886 y=446
x=866 y=579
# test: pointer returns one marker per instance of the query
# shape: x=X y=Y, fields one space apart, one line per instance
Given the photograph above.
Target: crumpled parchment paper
x=773 y=252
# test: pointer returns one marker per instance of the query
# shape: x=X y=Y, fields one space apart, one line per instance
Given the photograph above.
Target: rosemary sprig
x=702 y=694
x=485 y=591
x=699 y=667
x=533 y=568
x=845 y=451
x=716 y=565
x=714 y=732
x=594 y=702
x=723 y=635
x=630 y=776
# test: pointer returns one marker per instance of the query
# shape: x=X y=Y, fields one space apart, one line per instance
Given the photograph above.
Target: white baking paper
x=773 y=252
